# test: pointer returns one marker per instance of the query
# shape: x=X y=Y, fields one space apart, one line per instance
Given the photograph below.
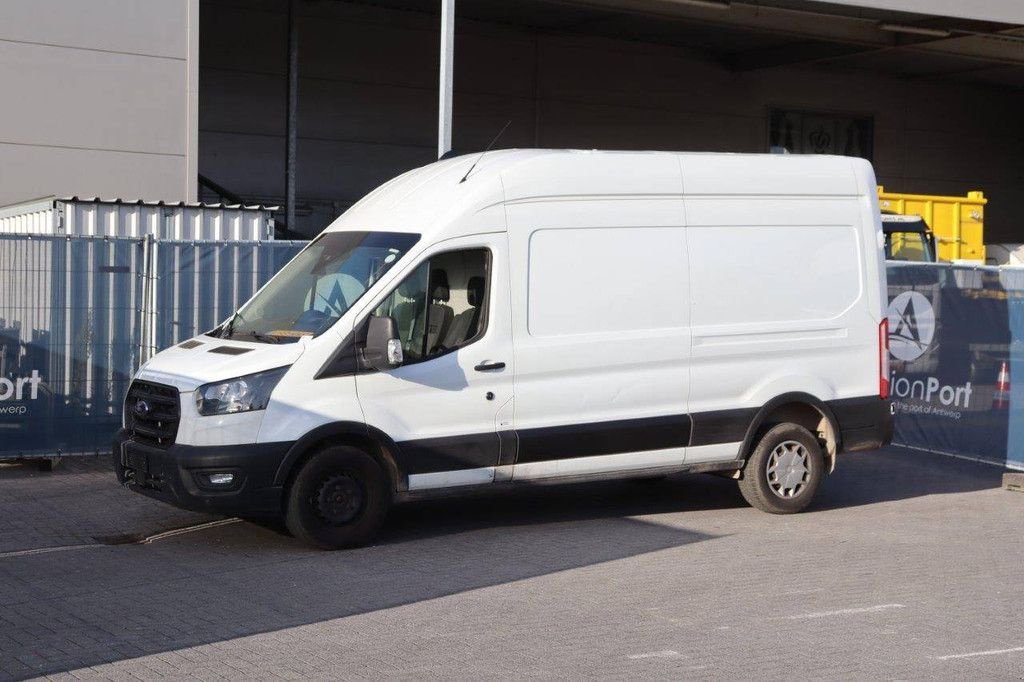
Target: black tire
x=338 y=499
x=797 y=484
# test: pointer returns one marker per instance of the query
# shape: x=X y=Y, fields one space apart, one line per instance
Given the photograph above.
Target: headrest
x=410 y=288
x=439 y=286
x=475 y=291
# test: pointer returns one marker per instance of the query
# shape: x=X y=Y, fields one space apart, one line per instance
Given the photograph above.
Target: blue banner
x=79 y=315
x=956 y=335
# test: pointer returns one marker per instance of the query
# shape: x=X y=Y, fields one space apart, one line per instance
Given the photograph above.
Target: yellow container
x=957 y=222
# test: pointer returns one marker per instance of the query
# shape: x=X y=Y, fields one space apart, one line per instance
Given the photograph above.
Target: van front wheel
x=339 y=499
x=784 y=471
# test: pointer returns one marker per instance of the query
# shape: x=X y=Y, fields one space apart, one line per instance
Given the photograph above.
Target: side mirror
x=383 y=347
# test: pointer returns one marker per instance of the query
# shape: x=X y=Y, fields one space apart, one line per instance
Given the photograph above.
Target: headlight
x=243 y=394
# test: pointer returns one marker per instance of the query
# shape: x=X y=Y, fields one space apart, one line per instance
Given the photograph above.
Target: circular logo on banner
x=911 y=325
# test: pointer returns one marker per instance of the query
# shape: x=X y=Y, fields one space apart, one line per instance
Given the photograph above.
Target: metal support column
x=444 y=107
x=291 y=144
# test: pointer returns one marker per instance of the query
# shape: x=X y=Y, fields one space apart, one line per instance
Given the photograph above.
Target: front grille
x=152 y=413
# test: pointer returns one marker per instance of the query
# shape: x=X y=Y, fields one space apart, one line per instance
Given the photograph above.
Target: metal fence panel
x=78 y=315
x=199 y=284
x=956 y=337
x=68 y=313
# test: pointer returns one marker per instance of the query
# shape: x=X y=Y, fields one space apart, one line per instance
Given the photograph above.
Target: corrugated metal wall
x=84 y=312
x=101 y=218
x=31 y=217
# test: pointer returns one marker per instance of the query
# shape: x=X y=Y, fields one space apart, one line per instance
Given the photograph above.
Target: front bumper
x=178 y=475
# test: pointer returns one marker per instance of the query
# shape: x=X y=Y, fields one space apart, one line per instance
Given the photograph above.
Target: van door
x=601 y=322
x=442 y=405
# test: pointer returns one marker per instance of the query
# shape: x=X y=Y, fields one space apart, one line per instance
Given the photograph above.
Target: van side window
x=441 y=305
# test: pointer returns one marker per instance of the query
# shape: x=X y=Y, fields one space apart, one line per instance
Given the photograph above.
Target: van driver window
x=441 y=305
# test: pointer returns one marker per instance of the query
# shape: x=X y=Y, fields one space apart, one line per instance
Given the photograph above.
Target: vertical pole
x=144 y=303
x=192 y=103
x=291 y=145
x=444 y=107
x=536 y=91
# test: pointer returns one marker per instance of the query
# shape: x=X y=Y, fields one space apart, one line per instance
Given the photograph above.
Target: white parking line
x=144 y=541
x=44 y=550
x=991 y=652
x=668 y=653
x=188 y=529
x=844 y=612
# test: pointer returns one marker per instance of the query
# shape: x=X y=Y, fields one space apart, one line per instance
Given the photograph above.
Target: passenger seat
x=466 y=324
x=440 y=314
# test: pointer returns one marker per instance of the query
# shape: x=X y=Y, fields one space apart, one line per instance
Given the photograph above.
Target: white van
x=541 y=316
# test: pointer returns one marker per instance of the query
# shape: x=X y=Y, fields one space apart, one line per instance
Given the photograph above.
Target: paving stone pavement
x=908 y=566
x=79 y=502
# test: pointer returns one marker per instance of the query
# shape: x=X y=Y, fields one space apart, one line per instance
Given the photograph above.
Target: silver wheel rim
x=788 y=469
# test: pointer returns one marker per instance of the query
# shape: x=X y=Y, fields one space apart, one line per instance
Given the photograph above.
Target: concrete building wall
x=368 y=105
x=98 y=98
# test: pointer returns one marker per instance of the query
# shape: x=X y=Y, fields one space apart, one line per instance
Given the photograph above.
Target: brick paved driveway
x=909 y=566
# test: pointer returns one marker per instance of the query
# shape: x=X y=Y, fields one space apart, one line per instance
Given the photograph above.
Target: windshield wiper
x=265 y=338
x=229 y=331
x=229 y=328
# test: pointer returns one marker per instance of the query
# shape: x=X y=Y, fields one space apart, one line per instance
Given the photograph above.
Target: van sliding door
x=602 y=341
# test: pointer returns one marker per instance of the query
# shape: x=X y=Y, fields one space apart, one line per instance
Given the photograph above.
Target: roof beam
x=824 y=36
x=740 y=15
x=791 y=54
x=999 y=11
x=809 y=52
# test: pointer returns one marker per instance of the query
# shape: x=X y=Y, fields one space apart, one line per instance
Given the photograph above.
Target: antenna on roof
x=507 y=124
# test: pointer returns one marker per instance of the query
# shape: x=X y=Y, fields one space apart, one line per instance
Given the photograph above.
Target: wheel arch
x=799 y=408
x=373 y=441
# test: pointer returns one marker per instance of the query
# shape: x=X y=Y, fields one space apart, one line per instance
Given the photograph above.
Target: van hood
x=205 y=359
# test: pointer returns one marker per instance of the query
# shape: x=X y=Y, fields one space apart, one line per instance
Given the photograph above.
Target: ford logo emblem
x=142 y=408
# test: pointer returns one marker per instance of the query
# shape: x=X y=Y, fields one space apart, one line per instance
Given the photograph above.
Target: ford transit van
x=536 y=316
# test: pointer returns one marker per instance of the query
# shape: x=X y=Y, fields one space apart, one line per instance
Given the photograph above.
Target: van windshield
x=317 y=287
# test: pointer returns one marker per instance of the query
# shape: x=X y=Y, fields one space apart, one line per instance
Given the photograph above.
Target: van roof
x=435 y=195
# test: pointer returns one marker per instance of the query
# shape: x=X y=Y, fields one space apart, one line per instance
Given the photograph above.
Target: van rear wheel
x=338 y=499
x=784 y=471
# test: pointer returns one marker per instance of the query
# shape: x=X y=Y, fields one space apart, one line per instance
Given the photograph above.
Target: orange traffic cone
x=1001 y=398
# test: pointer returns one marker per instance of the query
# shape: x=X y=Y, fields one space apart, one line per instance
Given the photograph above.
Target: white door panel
x=601 y=315
x=442 y=412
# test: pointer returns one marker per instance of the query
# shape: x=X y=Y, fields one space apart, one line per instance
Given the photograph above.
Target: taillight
x=883 y=358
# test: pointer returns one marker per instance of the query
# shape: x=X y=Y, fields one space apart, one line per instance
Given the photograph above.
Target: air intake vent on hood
x=229 y=350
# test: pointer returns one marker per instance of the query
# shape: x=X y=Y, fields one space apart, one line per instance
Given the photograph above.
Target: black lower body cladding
x=179 y=475
x=864 y=423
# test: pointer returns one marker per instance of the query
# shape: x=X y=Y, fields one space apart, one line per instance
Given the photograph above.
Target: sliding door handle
x=489 y=366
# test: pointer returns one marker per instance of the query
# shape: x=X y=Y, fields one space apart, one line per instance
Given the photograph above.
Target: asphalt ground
x=907 y=566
